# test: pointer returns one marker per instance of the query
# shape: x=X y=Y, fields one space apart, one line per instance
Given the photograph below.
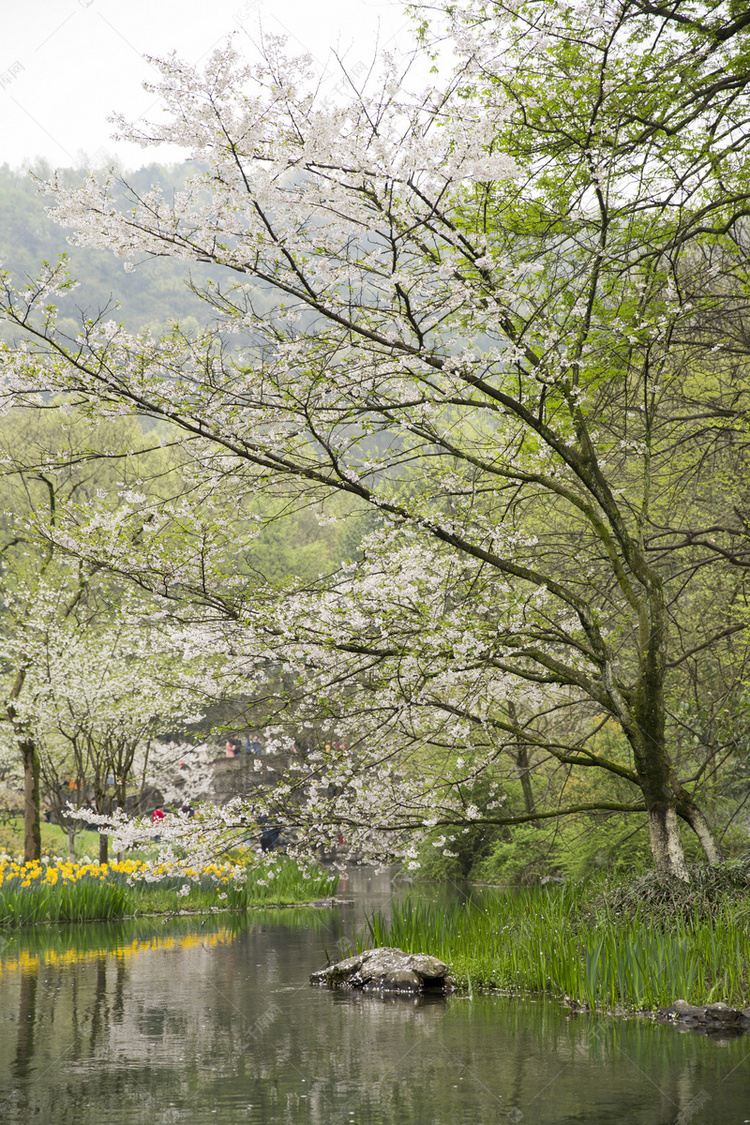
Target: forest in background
x=151 y=296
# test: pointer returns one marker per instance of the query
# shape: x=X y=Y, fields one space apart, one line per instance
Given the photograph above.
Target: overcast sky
x=66 y=64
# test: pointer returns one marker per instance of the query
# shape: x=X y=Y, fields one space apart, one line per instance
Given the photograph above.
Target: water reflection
x=214 y=1020
x=26 y=1021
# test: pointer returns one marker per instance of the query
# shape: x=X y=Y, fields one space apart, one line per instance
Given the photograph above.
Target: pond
x=213 y=1020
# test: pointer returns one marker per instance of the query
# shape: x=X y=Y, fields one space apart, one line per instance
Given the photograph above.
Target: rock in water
x=711 y=1019
x=386 y=970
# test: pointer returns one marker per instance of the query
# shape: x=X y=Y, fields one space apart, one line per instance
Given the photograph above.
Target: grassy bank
x=54 y=839
x=606 y=947
x=80 y=892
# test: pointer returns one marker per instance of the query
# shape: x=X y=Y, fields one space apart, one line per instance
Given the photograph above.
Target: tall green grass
x=290 y=882
x=561 y=941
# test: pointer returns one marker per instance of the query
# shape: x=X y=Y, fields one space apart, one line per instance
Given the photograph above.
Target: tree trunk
x=71 y=845
x=644 y=712
x=102 y=805
x=521 y=756
x=660 y=794
x=665 y=799
x=666 y=844
x=32 y=833
x=522 y=764
x=690 y=813
x=657 y=784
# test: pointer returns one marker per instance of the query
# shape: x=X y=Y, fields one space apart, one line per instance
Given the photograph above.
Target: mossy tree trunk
x=645 y=726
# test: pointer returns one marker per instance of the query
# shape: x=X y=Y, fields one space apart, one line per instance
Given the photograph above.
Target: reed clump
x=599 y=946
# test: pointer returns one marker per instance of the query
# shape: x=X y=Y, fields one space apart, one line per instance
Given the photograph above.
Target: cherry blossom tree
x=85 y=664
x=509 y=326
x=99 y=698
x=39 y=584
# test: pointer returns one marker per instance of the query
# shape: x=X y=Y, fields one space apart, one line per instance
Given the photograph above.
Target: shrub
x=709 y=890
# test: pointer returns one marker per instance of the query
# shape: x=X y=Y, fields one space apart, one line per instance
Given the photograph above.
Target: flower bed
x=54 y=891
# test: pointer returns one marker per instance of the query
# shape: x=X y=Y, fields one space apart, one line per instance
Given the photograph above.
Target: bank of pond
x=579 y=943
x=597 y=945
x=57 y=891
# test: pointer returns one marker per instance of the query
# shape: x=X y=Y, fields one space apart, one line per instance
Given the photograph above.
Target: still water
x=155 y=1022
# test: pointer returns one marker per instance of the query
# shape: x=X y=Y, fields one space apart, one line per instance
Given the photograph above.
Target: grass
x=64 y=892
x=289 y=882
x=54 y=839
x=591 y=943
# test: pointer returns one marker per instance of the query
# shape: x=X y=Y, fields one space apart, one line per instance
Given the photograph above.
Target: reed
x=567 y=942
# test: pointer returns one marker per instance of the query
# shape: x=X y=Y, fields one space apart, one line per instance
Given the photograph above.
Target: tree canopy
x=510 y=326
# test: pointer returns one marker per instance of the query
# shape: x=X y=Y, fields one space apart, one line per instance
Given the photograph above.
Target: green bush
x=457 y=854
x=610 y=844
x=528 y=854
x=466 y=851
x=575 y=848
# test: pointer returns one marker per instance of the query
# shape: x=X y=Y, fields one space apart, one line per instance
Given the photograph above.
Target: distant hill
x=154 y=295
